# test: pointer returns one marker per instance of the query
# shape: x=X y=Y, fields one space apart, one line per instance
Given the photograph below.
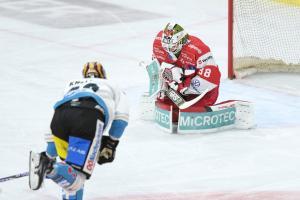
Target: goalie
x=184 y=80
x=188 y=67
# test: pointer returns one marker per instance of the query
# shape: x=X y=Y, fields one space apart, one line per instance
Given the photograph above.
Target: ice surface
x=36 y=60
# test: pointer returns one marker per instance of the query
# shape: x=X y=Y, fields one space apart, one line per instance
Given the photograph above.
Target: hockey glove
x=107 y=150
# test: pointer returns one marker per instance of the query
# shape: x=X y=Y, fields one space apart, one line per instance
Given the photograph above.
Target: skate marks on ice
x=260 y=195
x=71 y=14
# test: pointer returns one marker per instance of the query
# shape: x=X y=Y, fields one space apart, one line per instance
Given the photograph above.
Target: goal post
x=263 y=36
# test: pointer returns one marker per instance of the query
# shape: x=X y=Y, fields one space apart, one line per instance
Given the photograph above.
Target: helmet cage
x=173 y=39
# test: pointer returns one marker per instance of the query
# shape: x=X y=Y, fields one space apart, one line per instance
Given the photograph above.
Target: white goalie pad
x=244 y=112
x=244 y=116
x=146 y=107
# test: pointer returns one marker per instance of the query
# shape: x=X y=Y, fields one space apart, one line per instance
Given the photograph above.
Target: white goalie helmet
x=173 y=38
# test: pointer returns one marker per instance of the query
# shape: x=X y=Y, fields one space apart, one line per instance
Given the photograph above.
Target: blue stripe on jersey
x=85 y=94
x=117 y=128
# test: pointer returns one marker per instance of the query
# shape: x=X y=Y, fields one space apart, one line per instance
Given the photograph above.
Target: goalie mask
x=93 y=70
x=173 y=38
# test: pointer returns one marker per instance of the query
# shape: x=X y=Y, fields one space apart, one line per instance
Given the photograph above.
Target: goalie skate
x=39 y=165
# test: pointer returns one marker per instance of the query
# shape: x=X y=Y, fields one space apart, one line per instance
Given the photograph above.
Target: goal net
x=264 y=36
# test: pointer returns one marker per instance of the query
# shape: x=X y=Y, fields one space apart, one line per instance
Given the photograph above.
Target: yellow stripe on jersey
x=61 y=147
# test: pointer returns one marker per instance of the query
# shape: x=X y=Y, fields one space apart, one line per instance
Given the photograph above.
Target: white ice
x=36 y=61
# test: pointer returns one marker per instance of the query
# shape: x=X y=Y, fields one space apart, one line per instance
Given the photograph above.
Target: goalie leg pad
x=146 y=107
x=222 y=116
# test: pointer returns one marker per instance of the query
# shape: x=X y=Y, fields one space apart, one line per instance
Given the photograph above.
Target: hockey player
x=89 y=107
x=188 y=67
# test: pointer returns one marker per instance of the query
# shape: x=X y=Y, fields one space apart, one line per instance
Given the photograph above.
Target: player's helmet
x=93 y=70
x=173 y=38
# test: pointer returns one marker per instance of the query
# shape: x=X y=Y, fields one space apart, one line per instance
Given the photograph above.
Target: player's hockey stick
x=8 y=178
x=180 y=102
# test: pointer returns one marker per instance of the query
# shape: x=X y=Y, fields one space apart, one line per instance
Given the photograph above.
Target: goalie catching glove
x=175 y=77
x=107 y=150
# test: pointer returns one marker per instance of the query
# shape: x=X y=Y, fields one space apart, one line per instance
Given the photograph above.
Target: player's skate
x=39 y=165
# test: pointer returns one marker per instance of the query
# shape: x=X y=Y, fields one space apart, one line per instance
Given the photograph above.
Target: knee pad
x=67 y=177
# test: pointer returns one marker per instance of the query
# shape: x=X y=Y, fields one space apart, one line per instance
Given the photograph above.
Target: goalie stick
x=8 y=178
x=180 y=102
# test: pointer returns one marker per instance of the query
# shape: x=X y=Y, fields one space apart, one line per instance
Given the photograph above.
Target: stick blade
x=193 y=101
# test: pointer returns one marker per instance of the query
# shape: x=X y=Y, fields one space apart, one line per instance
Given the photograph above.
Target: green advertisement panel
x=163 y=119
x=206 y=120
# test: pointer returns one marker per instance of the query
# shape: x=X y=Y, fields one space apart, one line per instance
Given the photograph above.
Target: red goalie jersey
x=198 y=70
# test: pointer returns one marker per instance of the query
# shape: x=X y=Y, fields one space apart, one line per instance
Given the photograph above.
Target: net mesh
x=266 y=36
